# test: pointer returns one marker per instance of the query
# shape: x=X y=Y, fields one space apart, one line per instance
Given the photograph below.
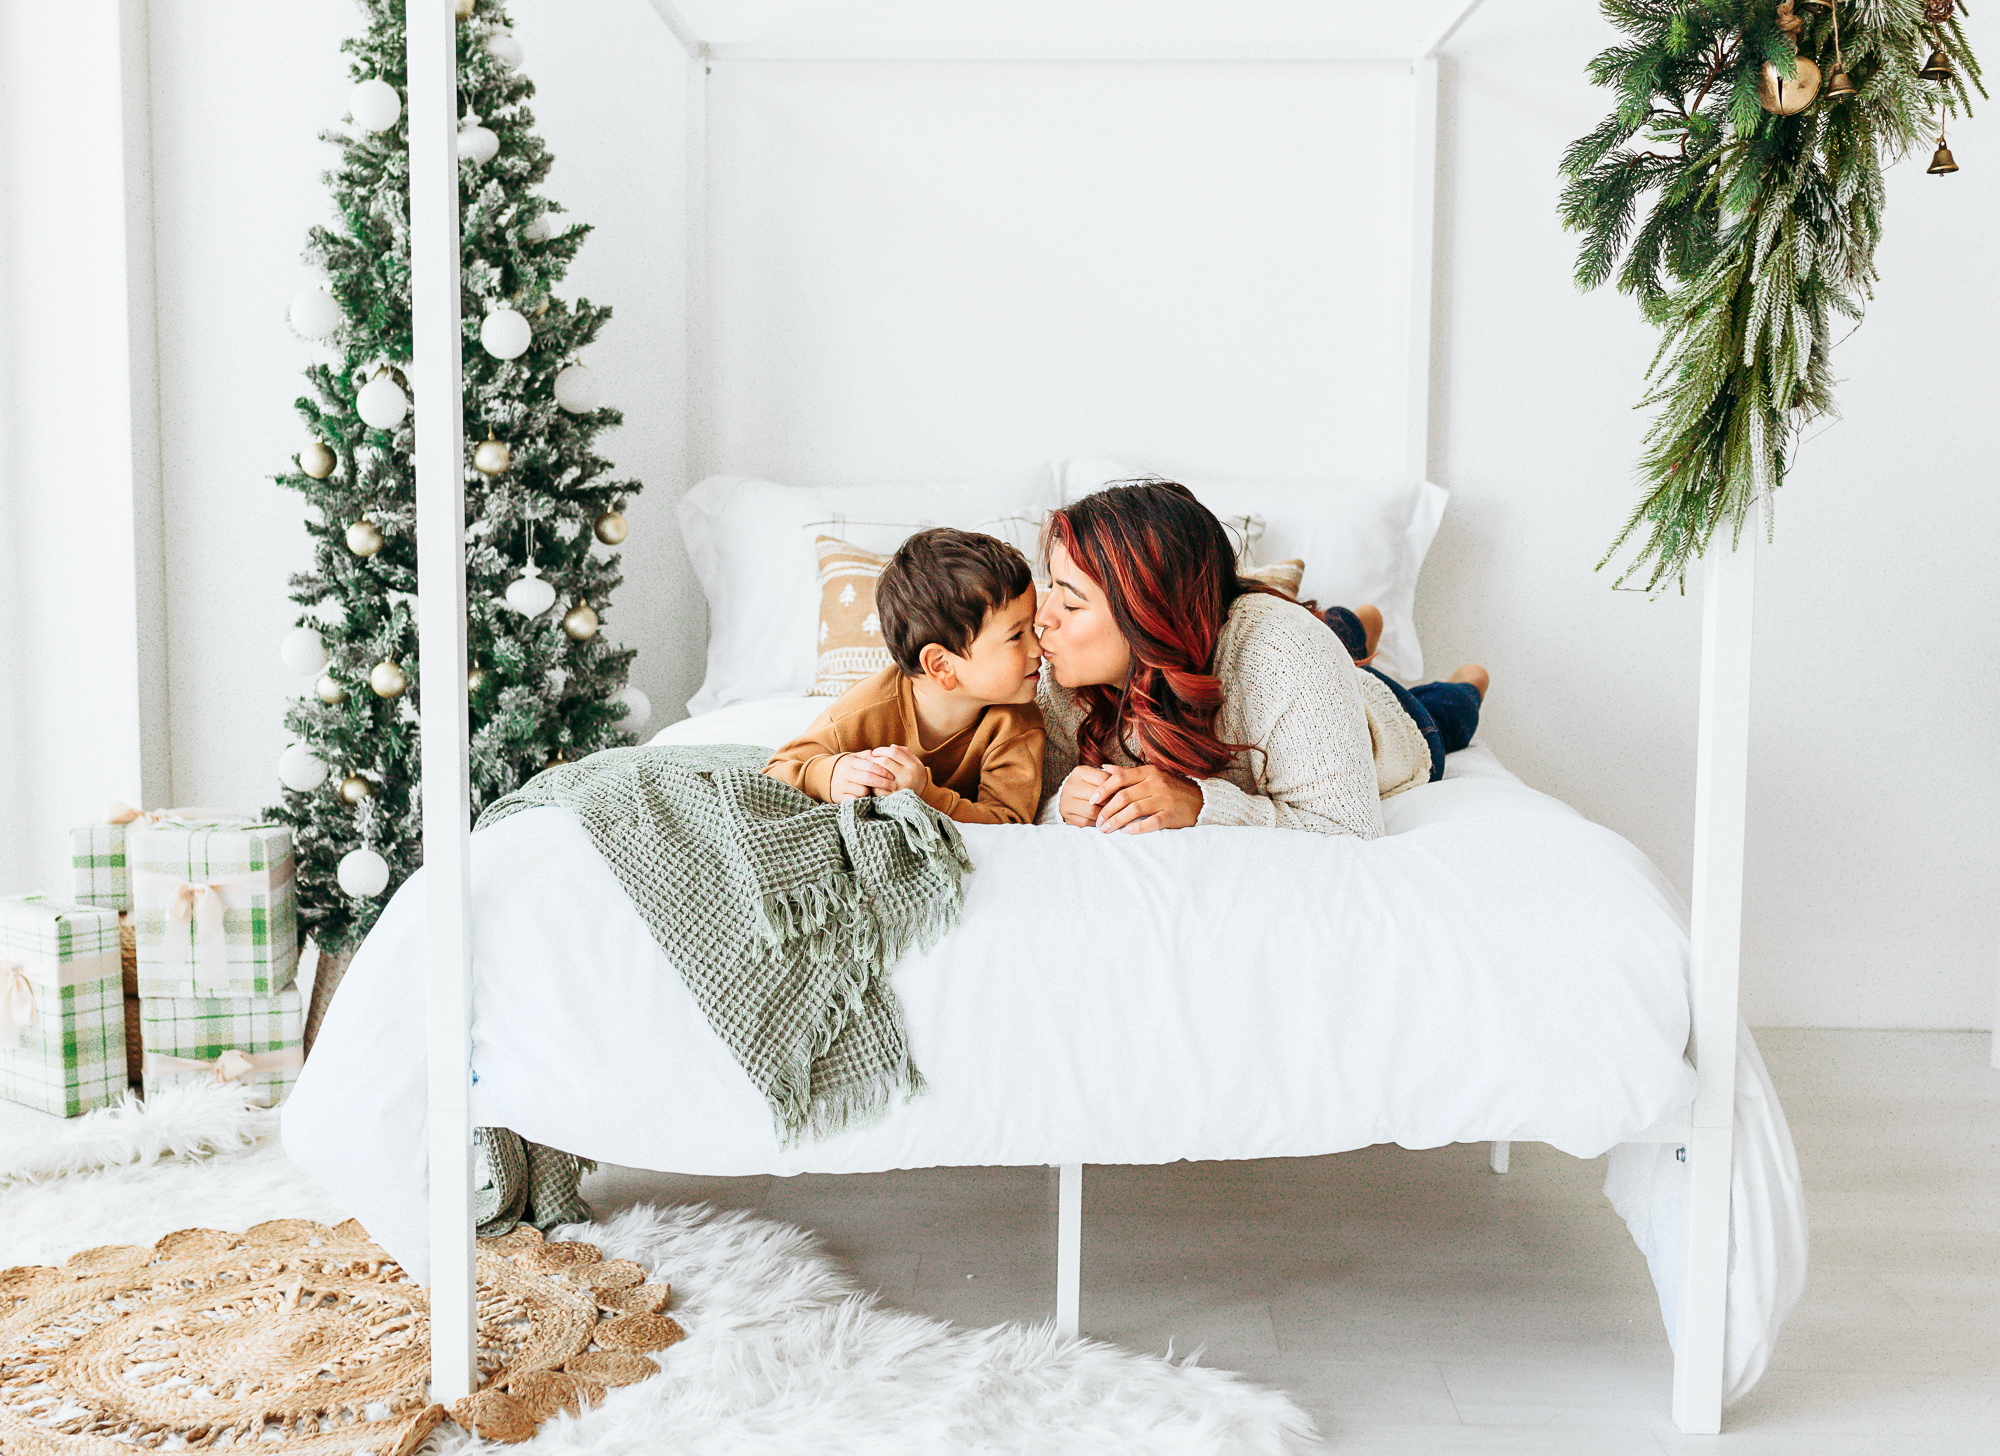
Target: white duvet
x=1497 y=967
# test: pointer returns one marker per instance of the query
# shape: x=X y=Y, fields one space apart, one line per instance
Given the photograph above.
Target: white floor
x=1414 y=1302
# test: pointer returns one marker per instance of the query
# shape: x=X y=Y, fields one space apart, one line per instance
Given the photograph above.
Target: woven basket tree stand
x=298 y=1338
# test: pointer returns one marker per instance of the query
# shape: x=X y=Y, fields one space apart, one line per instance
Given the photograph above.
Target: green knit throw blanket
x=783 y=915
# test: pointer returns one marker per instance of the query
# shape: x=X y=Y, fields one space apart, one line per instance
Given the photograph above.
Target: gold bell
x=1840 y=88
x=1941 y=162
x=1816 y=4
x=1937 y=68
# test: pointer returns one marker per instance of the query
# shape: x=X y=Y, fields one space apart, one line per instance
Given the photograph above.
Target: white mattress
x=1497 y=967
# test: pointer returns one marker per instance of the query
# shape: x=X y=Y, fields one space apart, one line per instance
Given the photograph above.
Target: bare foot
x=1371 y=627
x=1472 y=673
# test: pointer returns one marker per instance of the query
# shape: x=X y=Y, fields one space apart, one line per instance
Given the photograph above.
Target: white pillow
x=751 y=544
x=1361 y=542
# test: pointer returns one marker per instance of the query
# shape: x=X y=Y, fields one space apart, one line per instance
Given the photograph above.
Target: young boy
x=954 y=714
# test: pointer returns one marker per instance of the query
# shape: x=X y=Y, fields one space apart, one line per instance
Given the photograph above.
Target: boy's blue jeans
x=1447 y=712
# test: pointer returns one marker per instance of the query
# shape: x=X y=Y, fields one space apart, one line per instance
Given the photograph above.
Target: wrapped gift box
x=97 y=854
x=253 y=1041
x=97 y=851
x=214 y=907
x=62 y=1005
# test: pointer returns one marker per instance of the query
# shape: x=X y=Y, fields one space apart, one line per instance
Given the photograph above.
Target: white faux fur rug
x=784 y=1354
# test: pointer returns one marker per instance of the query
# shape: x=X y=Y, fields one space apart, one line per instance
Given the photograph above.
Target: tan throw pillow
x=850 y=638
x=1284 y=575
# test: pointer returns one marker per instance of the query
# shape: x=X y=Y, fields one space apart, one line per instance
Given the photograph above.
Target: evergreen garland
x=1757 y=231
x=544 y=694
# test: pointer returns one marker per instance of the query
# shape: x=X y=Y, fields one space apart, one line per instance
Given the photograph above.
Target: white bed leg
x=1069 y=1250
x=1501 y=1154
x=1715 y=936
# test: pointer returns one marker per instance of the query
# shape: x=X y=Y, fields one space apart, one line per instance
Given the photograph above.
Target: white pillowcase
x=751 y=544
x=1361 y=542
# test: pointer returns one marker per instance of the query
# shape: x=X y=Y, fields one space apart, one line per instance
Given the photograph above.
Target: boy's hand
x=904 y=768
x=856 y=776
x=1077 y=803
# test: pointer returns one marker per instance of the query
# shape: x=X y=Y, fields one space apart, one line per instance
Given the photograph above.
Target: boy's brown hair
x=939 y=587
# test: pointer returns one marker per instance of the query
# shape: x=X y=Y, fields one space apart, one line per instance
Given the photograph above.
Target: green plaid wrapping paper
x=71 y=1058
x=97 y=854
x=202 y=1029
x=257 y=952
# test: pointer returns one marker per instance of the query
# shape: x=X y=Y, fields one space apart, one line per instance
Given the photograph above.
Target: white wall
x=927 y=273
x=76 y=553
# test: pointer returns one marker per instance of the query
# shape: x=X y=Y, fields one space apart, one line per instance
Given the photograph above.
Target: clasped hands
x=877 y=771
x=1129 y=800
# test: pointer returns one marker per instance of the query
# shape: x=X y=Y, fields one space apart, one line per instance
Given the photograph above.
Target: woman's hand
x=856 y=776
x=1140 y=800
x=1076 y=804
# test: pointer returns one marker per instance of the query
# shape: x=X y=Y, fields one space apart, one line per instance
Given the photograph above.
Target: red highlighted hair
x=1169 y=577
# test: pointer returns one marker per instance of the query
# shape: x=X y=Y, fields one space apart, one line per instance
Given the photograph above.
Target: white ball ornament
x=576 y=390
x=315 y=314
x=506 y=50
x=506 y=334
x=476 y=144
x=302 y=652
x=299 y=769
x=638 y=707
x=540 y=228
x=388 y=679
x=382 y=403
x=375 y=106
x=363 y=873
x=529 y=594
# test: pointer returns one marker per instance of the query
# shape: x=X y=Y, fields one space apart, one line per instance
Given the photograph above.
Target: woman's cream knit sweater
x=1334 y=741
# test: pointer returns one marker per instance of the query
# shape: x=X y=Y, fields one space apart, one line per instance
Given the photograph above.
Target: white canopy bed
x=1627 y=1033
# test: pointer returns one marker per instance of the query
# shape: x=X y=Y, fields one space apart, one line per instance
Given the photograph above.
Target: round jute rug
x=296 y=1337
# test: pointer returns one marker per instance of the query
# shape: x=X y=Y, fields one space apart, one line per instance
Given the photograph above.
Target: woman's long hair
x=1169 y=575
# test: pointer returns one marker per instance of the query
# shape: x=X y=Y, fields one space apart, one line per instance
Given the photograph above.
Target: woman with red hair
x=1177 y=691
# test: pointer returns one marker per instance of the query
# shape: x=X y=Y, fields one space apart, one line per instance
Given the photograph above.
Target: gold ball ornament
x=329 y=690
x=611 y=529
x=492 y=457
x=387 y=679
x=317 y=460
x=464 y=8
x=476 y=679
x=364 y=538
x=354 y=788
x=1787 y=98
x=580 y=622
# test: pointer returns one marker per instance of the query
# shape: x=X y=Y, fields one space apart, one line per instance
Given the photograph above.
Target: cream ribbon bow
x=17 y=1003
x=200 y=903
x=232 y=1066
x=122 y=813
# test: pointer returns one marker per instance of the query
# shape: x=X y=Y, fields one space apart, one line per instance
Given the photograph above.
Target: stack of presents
x=175 y=960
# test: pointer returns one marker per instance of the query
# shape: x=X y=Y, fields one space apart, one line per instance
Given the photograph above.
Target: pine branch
x=1746 y=241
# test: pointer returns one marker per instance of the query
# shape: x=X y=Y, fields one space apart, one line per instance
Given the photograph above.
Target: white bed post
x=1716 y=937
x=432 y=37
x=1423 y=265
x=1424 y=104
x=694 y=226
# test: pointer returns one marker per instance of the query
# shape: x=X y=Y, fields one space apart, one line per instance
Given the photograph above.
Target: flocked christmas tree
x=545 y=685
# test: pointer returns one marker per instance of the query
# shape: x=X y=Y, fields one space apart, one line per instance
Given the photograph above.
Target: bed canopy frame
x=1701 y=1133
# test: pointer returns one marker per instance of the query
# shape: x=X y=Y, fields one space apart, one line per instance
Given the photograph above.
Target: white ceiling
x=1139 y=27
